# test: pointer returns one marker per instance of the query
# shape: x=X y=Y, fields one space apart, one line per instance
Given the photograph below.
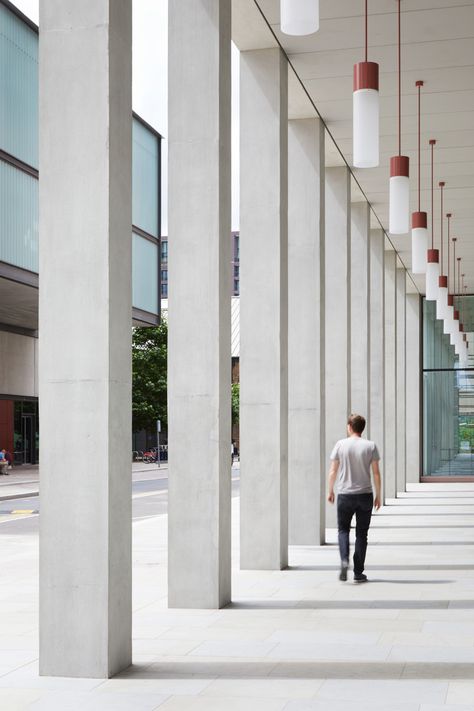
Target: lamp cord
x=441 y=254
x=419 y=147
x=366 y=31
x=399 y=82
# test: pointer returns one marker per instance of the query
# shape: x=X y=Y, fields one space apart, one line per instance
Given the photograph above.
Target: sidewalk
x=23 y=480
x=292 y=640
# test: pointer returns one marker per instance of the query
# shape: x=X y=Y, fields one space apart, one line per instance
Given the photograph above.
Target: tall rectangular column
x=401 y=379
x=306 y=393
x=377 y=340
x=337 y=300
x=85 y=72
x=264 y=309
x=360 y=309
x=199 y=361
x=413 y=387
x=390 y=345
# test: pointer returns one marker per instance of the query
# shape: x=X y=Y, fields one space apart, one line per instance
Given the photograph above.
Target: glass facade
x=18 y=217
x=448 y=398
x=18 y=88
x=19 y=188
x=145 y=211
x=26 y=433
x=145 y=274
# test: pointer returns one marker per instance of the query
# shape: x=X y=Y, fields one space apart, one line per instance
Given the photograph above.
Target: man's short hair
x=356 y=423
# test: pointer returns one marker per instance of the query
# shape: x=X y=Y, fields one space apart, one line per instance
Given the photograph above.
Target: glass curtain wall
x=448 y=397
x=19 y=164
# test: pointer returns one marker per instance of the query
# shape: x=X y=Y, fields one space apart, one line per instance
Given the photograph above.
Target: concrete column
x=401 y=380
x=413 y=385
x=360 y=309
x=390 y=345
x=85 y=65
x=306 y=394
x=338 y=331
x=199 y=363
x=377 y=340
x=264 y=309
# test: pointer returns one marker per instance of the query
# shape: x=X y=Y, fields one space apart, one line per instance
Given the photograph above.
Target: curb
x=26 y=495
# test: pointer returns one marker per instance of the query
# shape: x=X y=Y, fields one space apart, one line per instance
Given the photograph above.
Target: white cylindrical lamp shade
x=419 y=242
x=455 y=328
x=432 y=275
x=299 y=17
x=442 y=299
x=399 y=212
x=449 y=319
x=365 y=115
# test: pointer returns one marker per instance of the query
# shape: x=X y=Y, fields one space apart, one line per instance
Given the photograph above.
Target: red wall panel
x=6 y=425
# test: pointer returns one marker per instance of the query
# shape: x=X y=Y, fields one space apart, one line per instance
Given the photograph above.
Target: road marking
x=23 y=511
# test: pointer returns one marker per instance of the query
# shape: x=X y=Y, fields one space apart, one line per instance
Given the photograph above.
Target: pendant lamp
x=419 y=220
x=432 y=255
x=448 y=320
x=365 y=110
x=454 y=322
x=299 y=17
x=455 y=330
x=442 y=300
x=463 y=350
x=399 y=165
x=460 y=331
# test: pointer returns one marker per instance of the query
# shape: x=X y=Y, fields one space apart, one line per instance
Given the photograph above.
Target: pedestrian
x=351 y=461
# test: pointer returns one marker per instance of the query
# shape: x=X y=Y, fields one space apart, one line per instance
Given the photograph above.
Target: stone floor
x=297 y=640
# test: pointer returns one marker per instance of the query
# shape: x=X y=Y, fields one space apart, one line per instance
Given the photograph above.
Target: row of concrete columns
x=323 y=325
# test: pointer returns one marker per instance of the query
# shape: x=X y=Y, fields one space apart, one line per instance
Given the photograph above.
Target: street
x=149 y=498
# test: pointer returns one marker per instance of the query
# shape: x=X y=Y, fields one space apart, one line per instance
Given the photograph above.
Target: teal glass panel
x=18 y=218
x=18 y=88
x=145 y=179
x=145 y=274
x=437 y=349
x=448 y=396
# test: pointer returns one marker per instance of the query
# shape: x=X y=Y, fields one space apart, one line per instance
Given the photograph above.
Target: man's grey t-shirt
x=355 y=456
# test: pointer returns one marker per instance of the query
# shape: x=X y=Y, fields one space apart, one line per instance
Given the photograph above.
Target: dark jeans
x=361 y=505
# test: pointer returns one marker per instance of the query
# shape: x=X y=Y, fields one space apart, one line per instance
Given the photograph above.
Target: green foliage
x=149 y=383
x=466 y=433
x=235 y=402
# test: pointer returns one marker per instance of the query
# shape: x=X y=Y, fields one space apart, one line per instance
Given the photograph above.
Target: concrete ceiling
x=437 y=47
x=18 y=305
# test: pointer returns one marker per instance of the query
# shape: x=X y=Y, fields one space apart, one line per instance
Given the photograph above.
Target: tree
x=149 y=379
x=235 y=403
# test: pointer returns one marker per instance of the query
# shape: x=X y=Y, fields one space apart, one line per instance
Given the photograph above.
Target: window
x=18 y=218
x=236 y=247
x=145 y=179
x=164 y=291
x=18 y=88
x=164 y=250
x=236 y=287
x=145 y=274
x=164 y=275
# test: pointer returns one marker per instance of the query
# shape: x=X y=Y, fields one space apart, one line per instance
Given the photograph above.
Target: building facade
x=235 y=240
x=19 y=263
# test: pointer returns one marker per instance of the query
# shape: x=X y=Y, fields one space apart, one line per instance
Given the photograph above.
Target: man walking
x=352 y=459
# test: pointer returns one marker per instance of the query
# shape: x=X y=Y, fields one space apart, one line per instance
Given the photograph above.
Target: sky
x=150 y=84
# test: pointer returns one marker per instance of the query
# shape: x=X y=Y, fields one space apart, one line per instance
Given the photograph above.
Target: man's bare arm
x=377 y=484
x=332 y=479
